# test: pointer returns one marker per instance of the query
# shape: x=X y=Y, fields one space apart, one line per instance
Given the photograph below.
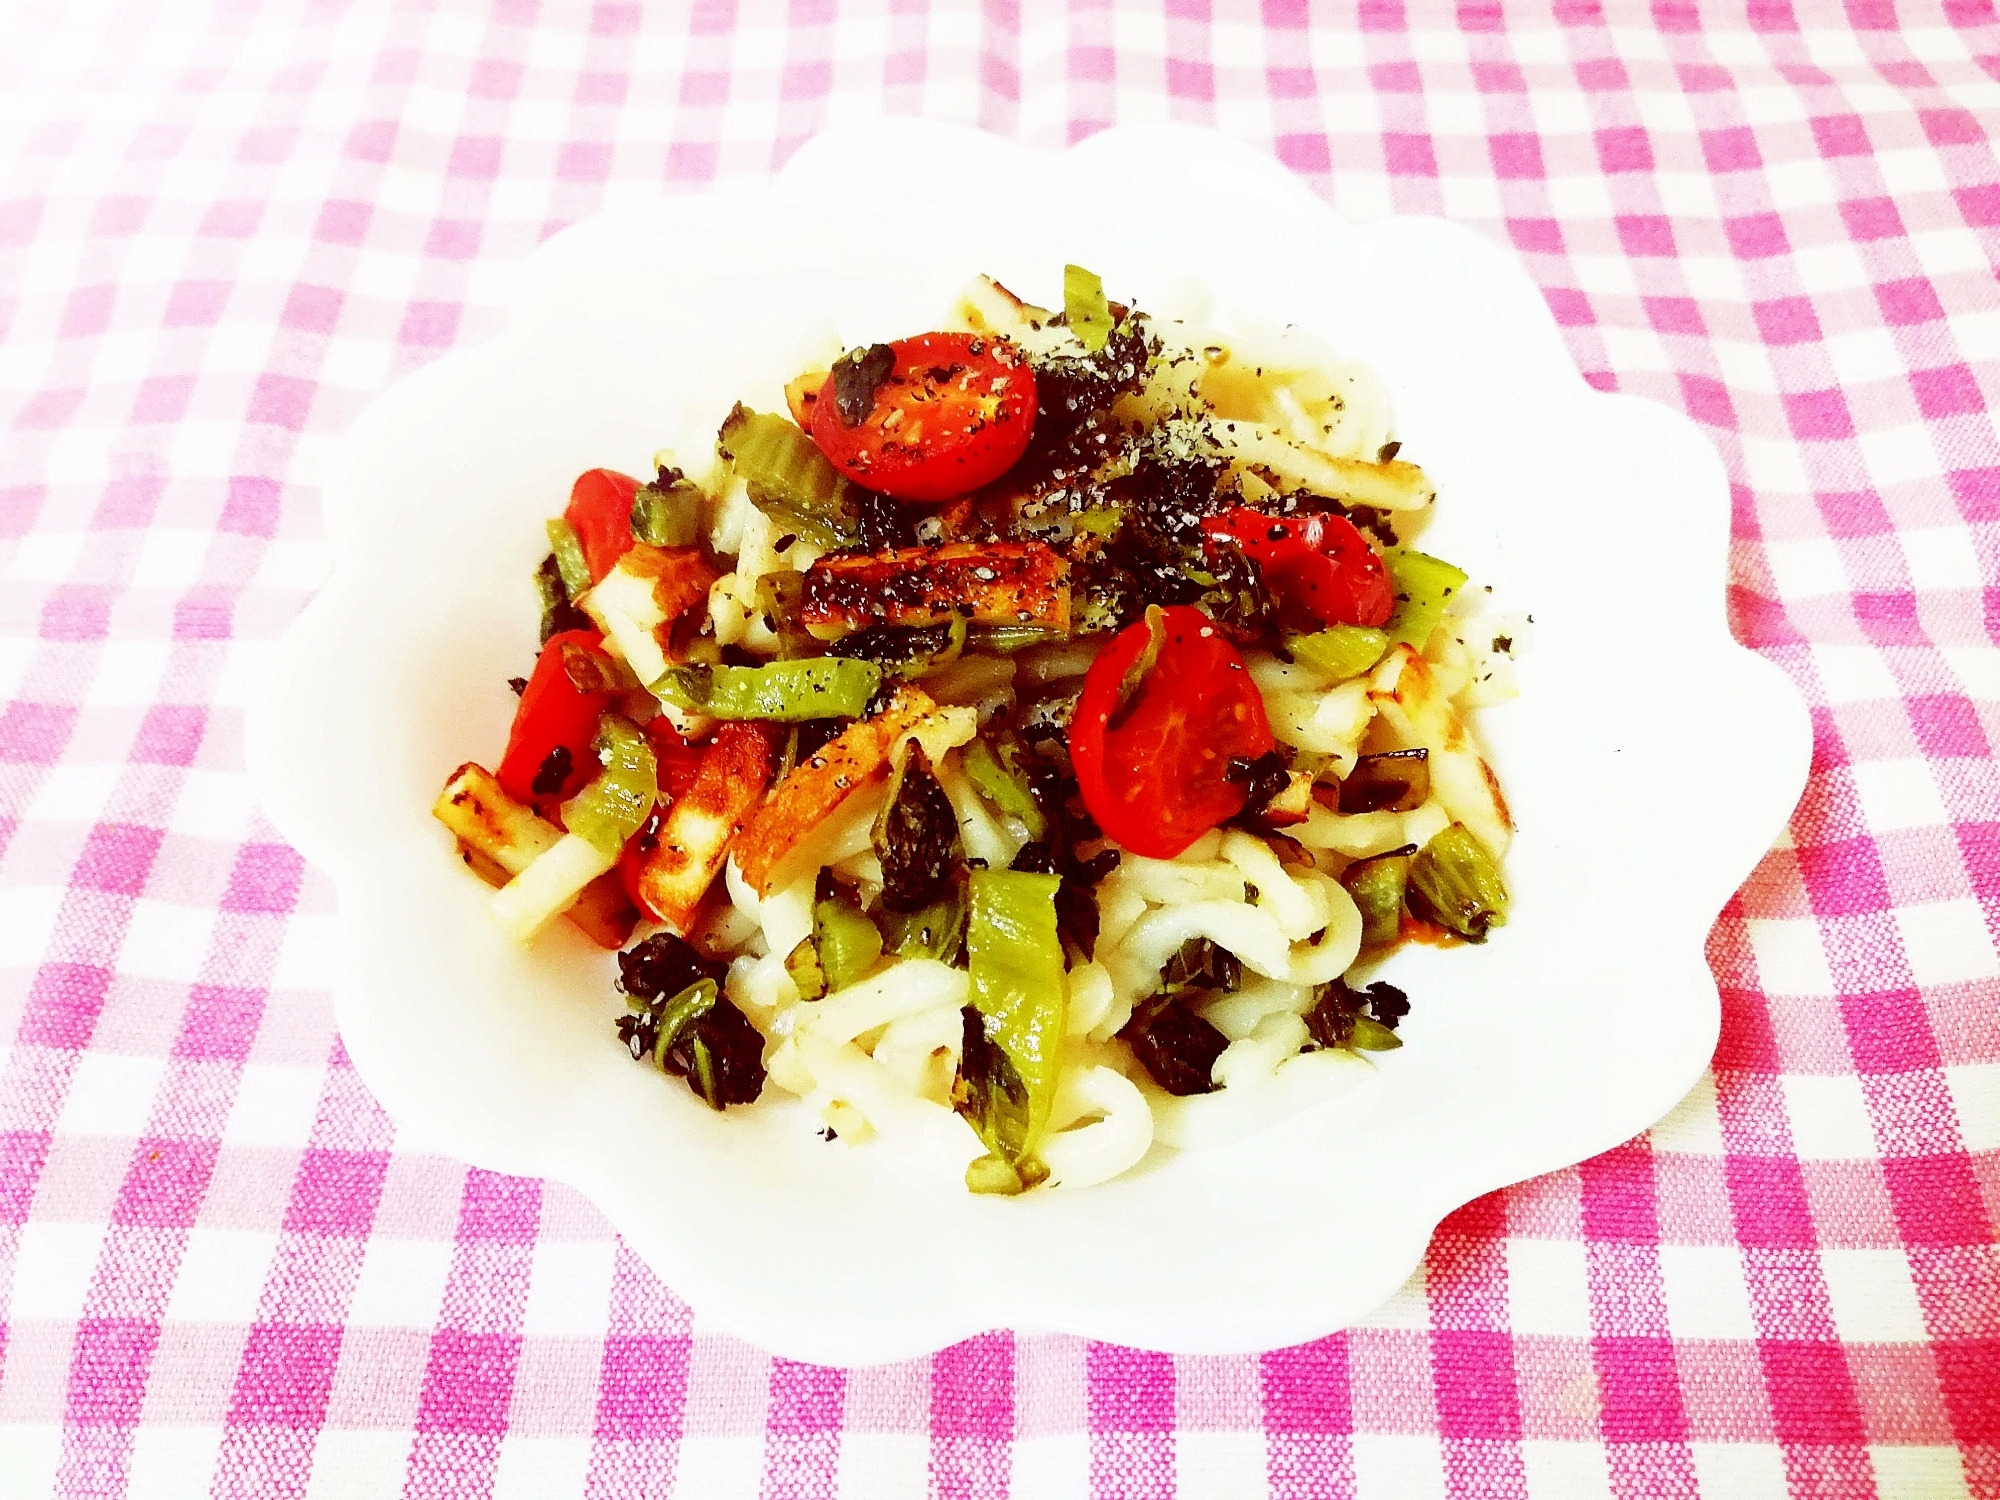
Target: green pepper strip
x=610 y=809
x=667 y=517
x=1015 y=960
x=569 y=558
x=1424 y=586
x=1002 y=784
x=826 y=687
x=681 y=1012
x=1340 y=651
x=848 y=943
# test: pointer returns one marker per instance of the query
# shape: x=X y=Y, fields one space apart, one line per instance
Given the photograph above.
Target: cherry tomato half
x=1155 y=774
x=1318 y=565
x=953 y=412
x=600 y=513
x=553 y=716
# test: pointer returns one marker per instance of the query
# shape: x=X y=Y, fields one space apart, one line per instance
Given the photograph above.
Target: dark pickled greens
x=827 y=687
x=1175 y=1046
x=677 y=1019
x=1018 y=990
x=1357 y=1020
x=558 y=613
x=905 y=651
x=1394 y=781
x=916 y=837
x=1456 y=883
x=994 y=764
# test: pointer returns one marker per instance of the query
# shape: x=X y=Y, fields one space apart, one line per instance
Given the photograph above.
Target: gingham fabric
x=223 y=232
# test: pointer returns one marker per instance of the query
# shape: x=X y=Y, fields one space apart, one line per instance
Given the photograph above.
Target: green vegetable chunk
x=849 y=945
x=905 y=651
x=789 y=478
x=1424 y=586
x=1340 y=651
x=803 y=964
x=689 y=1006
x=1456 y=883
x=610 y=809
x=1377 y=887
x=1085 y=308
x=667 y=513
x=1015 y=960
x=996 y=772
x=826 y=687
x=569 y=558
x=937 y=931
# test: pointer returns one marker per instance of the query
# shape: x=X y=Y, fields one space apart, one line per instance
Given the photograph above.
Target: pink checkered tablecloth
x=224 y=229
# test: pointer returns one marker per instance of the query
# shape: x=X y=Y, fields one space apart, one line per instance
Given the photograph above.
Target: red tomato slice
x=952 y=413
x=1155 y=775
x=553 y=715
x=1317 y=564
x=600 y=513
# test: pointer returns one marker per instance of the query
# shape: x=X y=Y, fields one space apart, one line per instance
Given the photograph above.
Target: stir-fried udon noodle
x=1049 y=721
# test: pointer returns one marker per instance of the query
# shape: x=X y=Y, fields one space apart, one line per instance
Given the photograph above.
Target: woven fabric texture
x=224 y=228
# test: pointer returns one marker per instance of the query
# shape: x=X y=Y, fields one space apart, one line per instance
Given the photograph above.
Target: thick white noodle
x=1119 y=1132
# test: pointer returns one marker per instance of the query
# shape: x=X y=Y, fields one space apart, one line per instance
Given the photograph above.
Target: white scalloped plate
x=1650 y=761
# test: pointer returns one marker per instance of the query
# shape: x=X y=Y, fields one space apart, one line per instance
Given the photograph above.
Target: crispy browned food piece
x=992 y=583
x=816 y=787
x=681 y=576
x=695 y=835
x=499 y=838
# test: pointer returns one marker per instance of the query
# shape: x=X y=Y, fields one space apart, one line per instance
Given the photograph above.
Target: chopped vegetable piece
x=1340 y=651
x=1340 y=1016
x=1395 y=781
x=1424 y=585
x=807 y=973
x=789 y=478
x=916 y=837
x=722 y=1057
x=548 y=887
x=1377 y=886
x=1456 y=883
x=802 y=396
x=902 y=651
x=848 y=944
x=1201 y=964
x=819 y=783
x=667 y=513
x=695 y=836
x=571 y=567
x=600 y=514
x=553 y=714
x=1084 y=307
x=1176 y=1046
x=826 y=687
x=1322 y=569
x=992 y=583
x=994 y=1100
x=937 y=931
x=683 y=1010
x=1414 y=706
x=1015 y=960
x=993 y=764
x=610 y=809
x=950 y=413
x=558 y=613
x=1155 y=775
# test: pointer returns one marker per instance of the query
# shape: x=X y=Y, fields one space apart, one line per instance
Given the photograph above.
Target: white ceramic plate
x=1650 y=761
